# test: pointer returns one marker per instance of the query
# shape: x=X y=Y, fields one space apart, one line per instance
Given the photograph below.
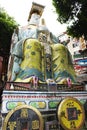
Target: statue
x=37 y=53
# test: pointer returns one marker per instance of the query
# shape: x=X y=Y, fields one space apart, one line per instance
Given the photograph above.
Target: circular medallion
x=23 y=117
x=71 y=114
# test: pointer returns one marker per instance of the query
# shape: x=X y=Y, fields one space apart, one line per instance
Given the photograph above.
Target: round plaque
x=23 y=117
x=71 y=114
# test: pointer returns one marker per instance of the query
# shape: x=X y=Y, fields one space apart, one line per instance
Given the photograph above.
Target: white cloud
x=19 y=9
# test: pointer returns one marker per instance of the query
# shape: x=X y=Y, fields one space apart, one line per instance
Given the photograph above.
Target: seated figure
x=36 y=52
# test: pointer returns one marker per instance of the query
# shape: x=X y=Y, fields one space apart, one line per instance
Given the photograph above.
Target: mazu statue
x=37 y=54
x=41 y=91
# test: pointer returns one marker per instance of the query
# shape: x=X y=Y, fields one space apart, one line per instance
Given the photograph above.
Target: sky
x=19 y=10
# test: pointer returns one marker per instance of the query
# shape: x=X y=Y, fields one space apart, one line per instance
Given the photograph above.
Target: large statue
x=35 y=51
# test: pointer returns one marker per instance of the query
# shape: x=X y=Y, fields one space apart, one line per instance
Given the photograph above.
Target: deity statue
x=37 y=52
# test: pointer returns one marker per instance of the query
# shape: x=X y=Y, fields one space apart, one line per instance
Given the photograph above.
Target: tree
x=7 y=26
x=74 y=13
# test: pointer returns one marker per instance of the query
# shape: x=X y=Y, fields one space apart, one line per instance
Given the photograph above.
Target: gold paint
x=35 y=124
x=11 y=125
x=24 y=113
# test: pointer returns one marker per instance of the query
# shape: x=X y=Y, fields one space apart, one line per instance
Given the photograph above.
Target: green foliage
x=7 y=26
x=74 y=13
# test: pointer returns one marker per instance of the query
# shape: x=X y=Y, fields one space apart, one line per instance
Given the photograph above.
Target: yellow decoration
x=11 y=125
x=61 y=62
x=35 y=124
x=71 y=114
x=32 y=54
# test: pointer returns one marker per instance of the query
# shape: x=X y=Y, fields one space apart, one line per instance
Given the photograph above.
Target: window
x=75 y=44
x=76 y=52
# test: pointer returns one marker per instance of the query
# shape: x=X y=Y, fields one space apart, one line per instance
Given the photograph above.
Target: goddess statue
x=35 y=51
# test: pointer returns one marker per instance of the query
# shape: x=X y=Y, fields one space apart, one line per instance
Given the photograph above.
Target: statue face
x=42 y=37
x=35 y=19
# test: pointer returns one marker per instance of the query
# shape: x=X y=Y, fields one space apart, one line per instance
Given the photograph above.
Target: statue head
x=35 y=19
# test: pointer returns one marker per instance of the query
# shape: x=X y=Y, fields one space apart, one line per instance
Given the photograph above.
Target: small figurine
x=69 y=82
x=35 y=81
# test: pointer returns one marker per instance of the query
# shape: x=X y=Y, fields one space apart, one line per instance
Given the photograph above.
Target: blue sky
x=19 y=9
